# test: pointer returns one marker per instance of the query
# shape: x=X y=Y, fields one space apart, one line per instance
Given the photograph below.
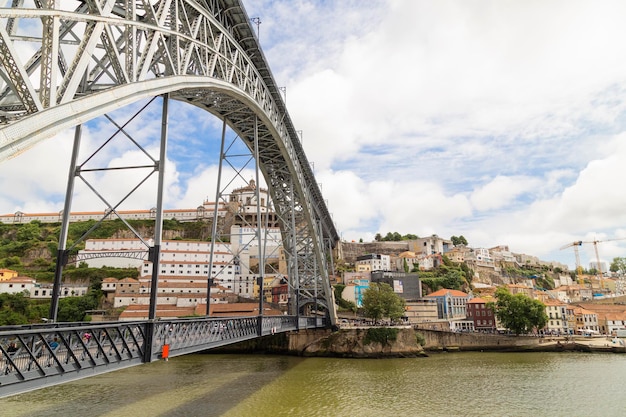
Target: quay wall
x=384 y=342
x=442 y=340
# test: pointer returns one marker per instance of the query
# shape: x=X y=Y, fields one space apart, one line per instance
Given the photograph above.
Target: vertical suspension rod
x=158 y=223
x=258 y=224
x=65 y=224
x=215 y=217
x=155 y=251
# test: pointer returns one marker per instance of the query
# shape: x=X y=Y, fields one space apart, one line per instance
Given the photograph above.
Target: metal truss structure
x=65 y=62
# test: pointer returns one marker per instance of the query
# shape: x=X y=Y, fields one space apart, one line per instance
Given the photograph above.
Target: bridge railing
x=30 y=355
x=36 y=356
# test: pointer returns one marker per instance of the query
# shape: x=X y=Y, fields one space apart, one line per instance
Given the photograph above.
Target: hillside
x=31 y=248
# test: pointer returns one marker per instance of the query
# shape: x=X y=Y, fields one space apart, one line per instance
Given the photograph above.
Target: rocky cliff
x=379 y=342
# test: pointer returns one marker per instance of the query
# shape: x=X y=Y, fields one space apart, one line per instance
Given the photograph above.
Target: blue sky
x=503 y=121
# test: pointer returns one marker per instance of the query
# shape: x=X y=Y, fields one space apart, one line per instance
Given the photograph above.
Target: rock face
x=380 y=342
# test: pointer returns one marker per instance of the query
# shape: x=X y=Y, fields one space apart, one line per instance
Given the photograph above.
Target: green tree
x=380 y=301
x=74 y=308
x=14 y=302
x=618 y=265
x=460 y=240
x=392 y=237
x=9 y=318
x=519 y=313
x=11 y=261
x=29 y=231
x=13 y=309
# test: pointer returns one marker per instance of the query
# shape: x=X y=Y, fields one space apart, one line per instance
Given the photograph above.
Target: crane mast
x=599 y=272
x=579 y=269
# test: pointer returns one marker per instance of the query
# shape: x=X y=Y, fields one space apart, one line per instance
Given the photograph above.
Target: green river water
x=445 y=384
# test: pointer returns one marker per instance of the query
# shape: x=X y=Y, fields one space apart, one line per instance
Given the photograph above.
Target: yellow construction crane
x=599 y=271
x=579 y=269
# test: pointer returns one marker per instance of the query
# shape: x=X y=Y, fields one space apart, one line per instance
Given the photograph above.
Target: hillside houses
x=192 y=272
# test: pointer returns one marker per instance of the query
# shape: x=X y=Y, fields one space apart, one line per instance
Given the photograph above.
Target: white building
x=44 y=291
x=483 y=256
x=185 y=266
x=242 y=199
x=431 y=245
x=17 y=285
x=373 y=262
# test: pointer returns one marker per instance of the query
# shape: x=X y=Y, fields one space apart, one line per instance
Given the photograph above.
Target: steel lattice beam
x=92 y=56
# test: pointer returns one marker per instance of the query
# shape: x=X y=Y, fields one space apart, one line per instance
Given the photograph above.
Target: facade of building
x=612 y=322
x=421 y=311
x=17 y=285
x=483 y=317
x=557 y=317
x=451 y=304
x=353 y=292
x=373 y=262
x=241 y=200
x=432 y=245
x=586 y=321
x=6 y=274
x=360 y=277
x=406 y=261
x=406 y=285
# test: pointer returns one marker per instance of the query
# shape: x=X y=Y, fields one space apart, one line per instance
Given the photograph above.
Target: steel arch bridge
x=104 y=54
x=65 y=62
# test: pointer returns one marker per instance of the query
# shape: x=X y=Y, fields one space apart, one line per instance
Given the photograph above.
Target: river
x=444 y=384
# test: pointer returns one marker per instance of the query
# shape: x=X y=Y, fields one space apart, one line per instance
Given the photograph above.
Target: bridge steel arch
x=89 y=57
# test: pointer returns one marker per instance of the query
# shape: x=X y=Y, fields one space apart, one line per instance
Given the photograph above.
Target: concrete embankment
x=375 y=342
x=444 y=341
x=437 y=340
x=388 y=342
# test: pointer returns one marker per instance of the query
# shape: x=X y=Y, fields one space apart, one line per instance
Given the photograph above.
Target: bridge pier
x=298 y=341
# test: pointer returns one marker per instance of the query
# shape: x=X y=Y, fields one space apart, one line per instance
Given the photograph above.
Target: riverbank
x=396 y=342
x=452 y=341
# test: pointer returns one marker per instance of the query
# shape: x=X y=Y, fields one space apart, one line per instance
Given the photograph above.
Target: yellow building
x=7 y=274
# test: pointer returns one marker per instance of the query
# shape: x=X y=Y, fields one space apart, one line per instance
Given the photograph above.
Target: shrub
x=380 y=335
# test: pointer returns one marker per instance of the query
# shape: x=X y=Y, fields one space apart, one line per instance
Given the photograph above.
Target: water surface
x=451 y=384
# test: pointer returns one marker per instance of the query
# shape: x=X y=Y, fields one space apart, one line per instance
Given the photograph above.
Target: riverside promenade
x=437 y=340
x=591 y=344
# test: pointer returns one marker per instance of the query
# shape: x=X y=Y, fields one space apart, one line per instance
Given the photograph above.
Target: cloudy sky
x=502 y=121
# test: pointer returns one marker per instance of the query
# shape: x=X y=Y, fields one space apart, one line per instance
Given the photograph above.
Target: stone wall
x=442 y=340
x=351 y=250
x=355 y=343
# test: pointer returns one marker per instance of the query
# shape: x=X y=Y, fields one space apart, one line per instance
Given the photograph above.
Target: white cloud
x=501 y=121
x=501 y=191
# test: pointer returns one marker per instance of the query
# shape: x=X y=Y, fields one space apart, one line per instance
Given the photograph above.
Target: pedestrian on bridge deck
x=12 y=348
x=54 y=343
